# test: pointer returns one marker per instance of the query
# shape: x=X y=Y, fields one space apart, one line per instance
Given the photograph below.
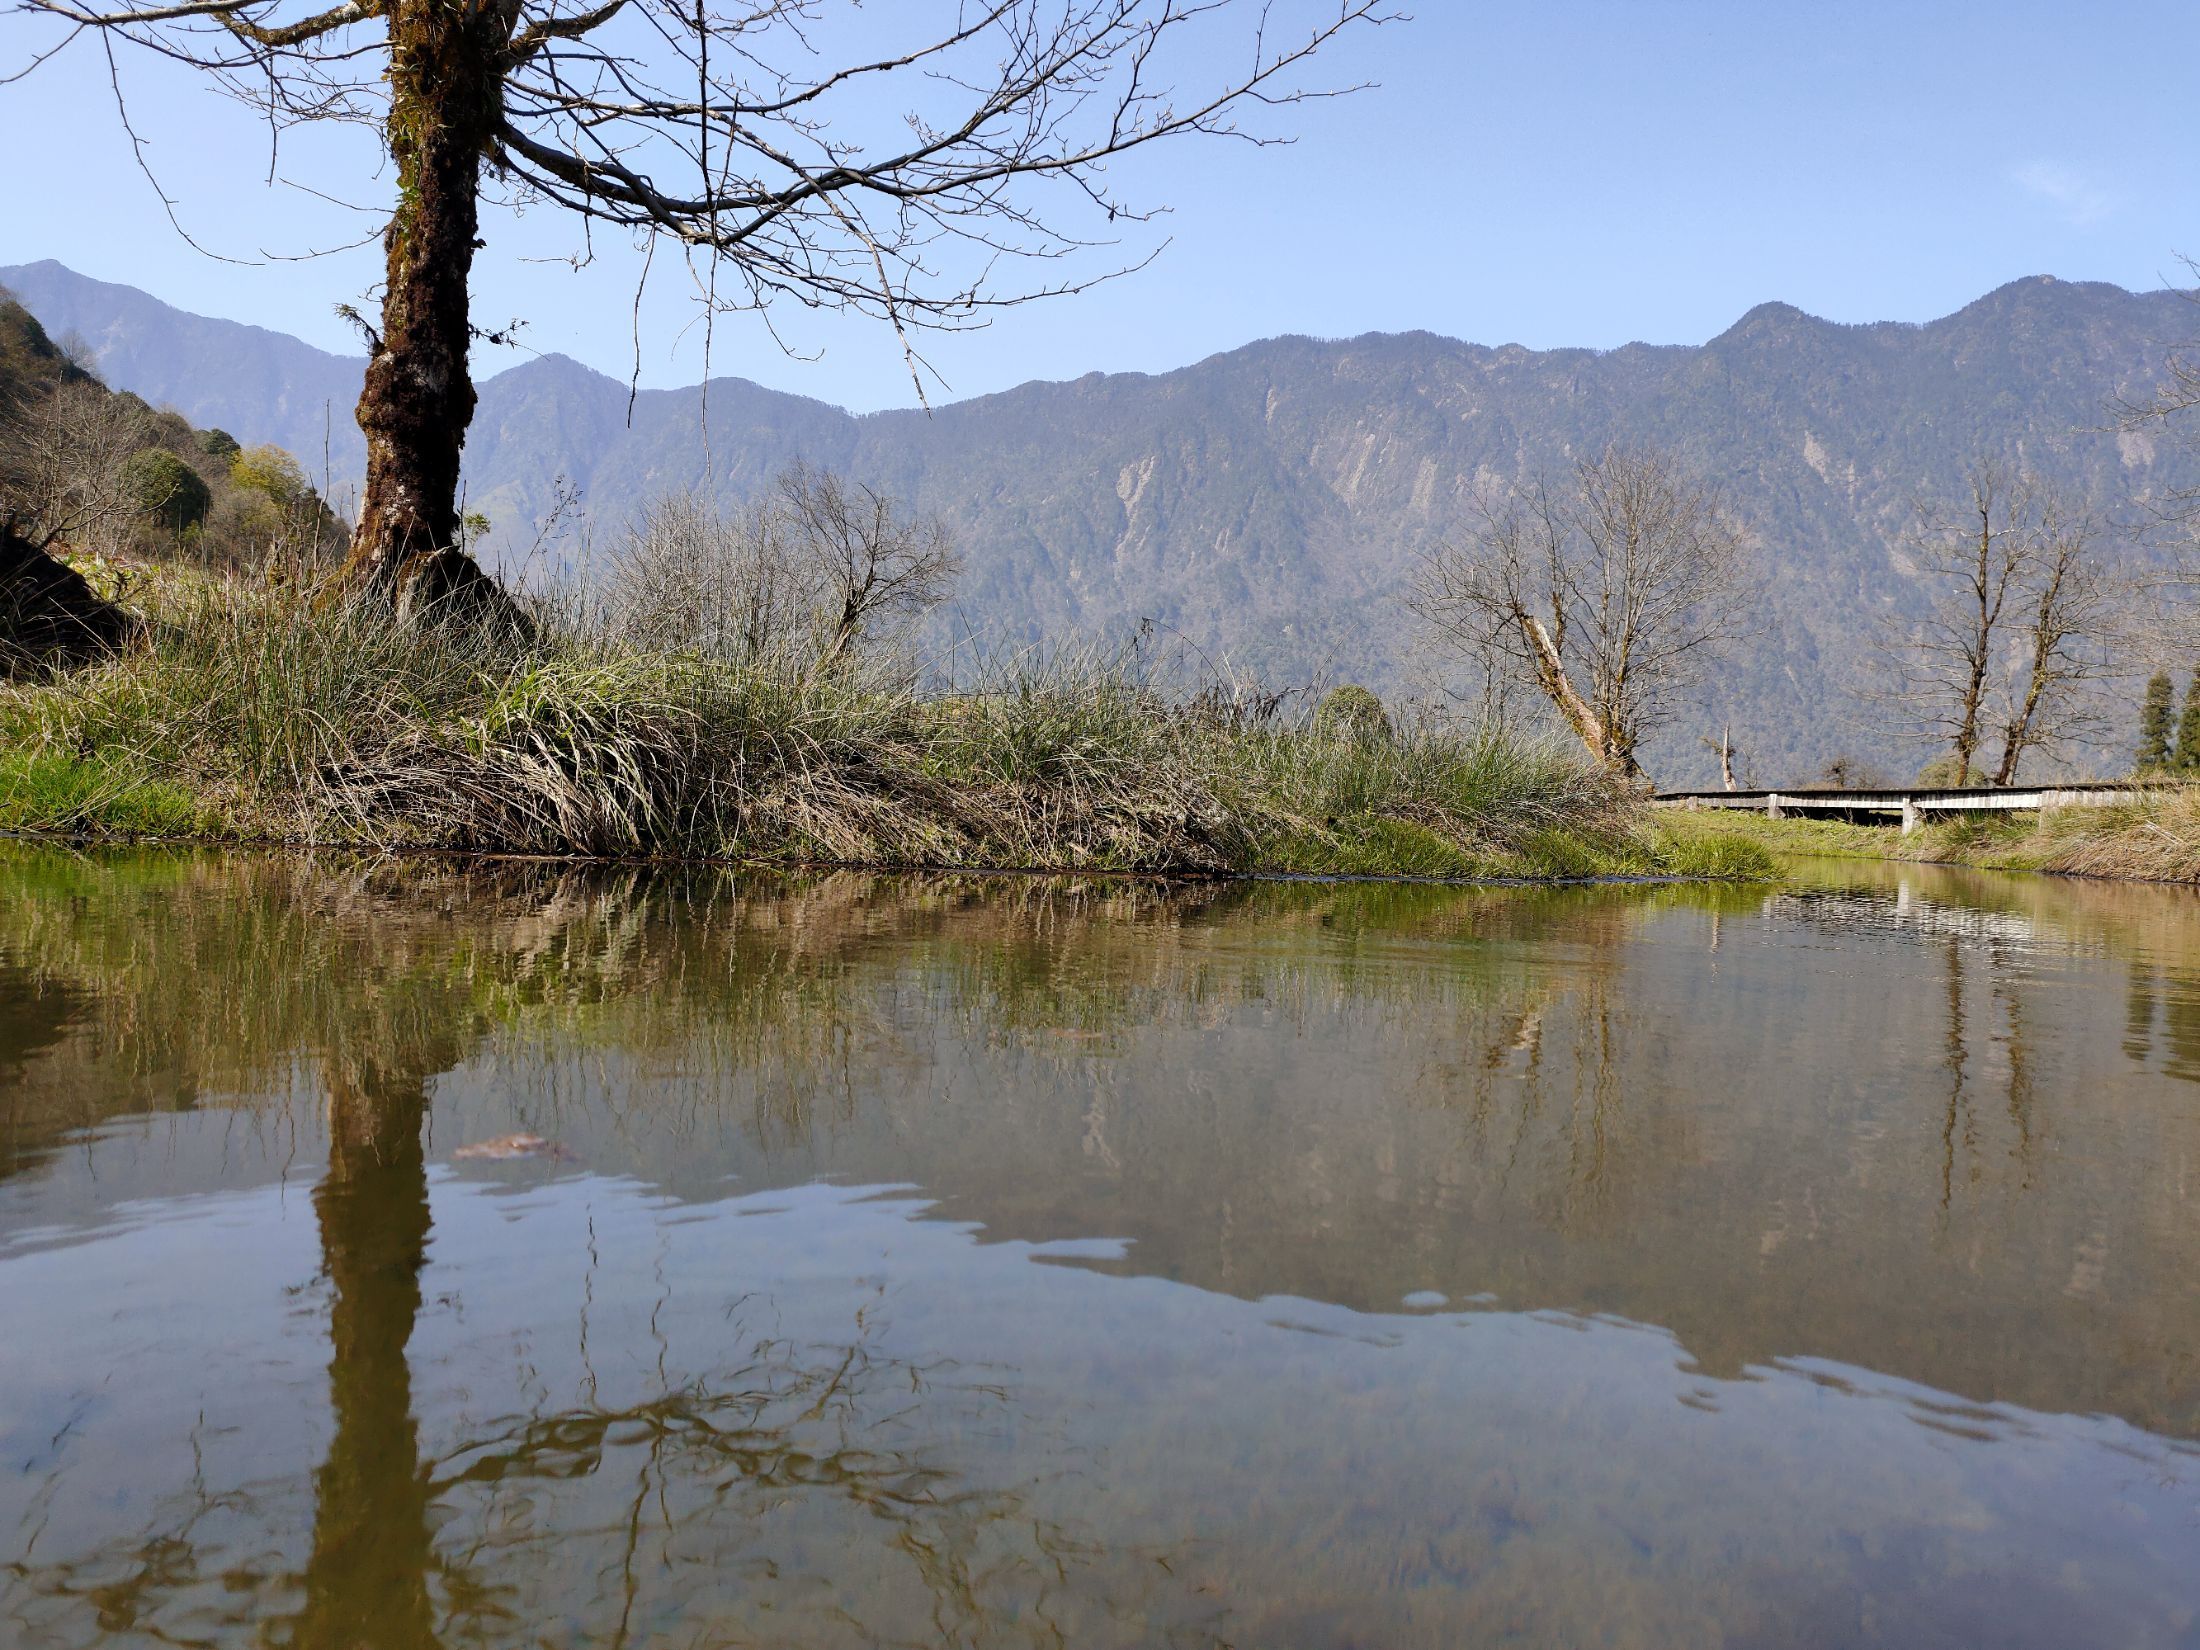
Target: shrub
x=164 y=490
x=271 y=472
x=1846 y=773
x=2186 y=758
x=1940 y=773
x=1352 y=713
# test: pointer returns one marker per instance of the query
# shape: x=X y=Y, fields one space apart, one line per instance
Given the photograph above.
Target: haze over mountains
x=1270 y=503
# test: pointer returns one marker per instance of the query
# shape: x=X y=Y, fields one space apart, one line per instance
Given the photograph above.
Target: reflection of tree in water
x=791 y=1500
x=1994 y=1048
x=1535 y=1082
x=2139 y=1011
x=804 y=1494
x=366 y=1579
x=2010 y=1037
x=36 y=1013
x=1956 y=1062
x=2162 y=1016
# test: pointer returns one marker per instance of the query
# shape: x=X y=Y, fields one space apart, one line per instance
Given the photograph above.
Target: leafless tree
x=77 y=350
x=871 y=562
x=1608 y=595
x=62 y=453
x=2061 y=632
x=688 y=579
x=2176 y=396
x=721 y=127
x=2019 y=606
x=808 y=574
x=1844 y=772
x=1723 y=748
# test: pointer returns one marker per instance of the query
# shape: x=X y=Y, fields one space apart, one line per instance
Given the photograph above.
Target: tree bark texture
x=446 y=88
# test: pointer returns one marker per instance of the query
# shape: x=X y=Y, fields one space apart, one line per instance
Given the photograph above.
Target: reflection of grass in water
x=248 y=961
x=1966 y=863
x=231 y=978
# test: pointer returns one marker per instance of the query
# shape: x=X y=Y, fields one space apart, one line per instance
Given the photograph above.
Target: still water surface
x=1024 y=1263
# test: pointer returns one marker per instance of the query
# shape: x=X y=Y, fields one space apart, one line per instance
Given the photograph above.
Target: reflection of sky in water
x=803 y=1416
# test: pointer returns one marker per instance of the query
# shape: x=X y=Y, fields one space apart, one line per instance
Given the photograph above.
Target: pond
x=408 y=1256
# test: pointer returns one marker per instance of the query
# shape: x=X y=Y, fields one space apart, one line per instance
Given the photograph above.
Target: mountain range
x=1270 y=503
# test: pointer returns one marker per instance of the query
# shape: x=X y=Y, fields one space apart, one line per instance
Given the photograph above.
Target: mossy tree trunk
x=446 y=87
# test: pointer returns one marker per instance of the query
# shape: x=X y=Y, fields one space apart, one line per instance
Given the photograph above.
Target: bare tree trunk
x=844 y=635
x=1987 y=591
x=2016 y=737
x=1550 y=670
x=1972 y=696
x=445 y=99
x=1726 y=758
x=1967 y=734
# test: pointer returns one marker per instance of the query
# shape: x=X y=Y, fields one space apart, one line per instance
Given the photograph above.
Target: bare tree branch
x=724 y=127
x=2018 y=615
x=1607 y=598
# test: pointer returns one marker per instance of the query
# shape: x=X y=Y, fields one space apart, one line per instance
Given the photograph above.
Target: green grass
x=1718 y=857
x=60 y=791
x=264 y=714
x=2156 y=841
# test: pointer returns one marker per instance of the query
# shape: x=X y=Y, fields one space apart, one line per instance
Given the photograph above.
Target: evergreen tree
x=2154 y=723
x=2186 y=759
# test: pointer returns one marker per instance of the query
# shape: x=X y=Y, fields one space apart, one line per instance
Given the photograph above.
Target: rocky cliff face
x=1270 y=503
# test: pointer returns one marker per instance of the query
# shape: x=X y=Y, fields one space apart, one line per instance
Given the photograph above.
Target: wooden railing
x=1913 y=804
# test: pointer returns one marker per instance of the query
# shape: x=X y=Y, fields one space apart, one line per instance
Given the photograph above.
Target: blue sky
x=1548 y=174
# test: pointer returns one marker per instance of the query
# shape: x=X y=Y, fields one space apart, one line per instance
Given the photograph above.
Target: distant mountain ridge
x=219 y=374
x=1270 y=502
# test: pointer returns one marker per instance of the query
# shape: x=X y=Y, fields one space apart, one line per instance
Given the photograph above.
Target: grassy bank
x=259 y=714
x=2157 y=841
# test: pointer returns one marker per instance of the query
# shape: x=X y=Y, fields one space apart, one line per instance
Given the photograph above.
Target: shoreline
x=93 y=842
x=2154 y=843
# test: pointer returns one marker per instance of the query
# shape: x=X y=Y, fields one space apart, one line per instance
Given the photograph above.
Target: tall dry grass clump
x=740 y=688
x=2158 y=841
